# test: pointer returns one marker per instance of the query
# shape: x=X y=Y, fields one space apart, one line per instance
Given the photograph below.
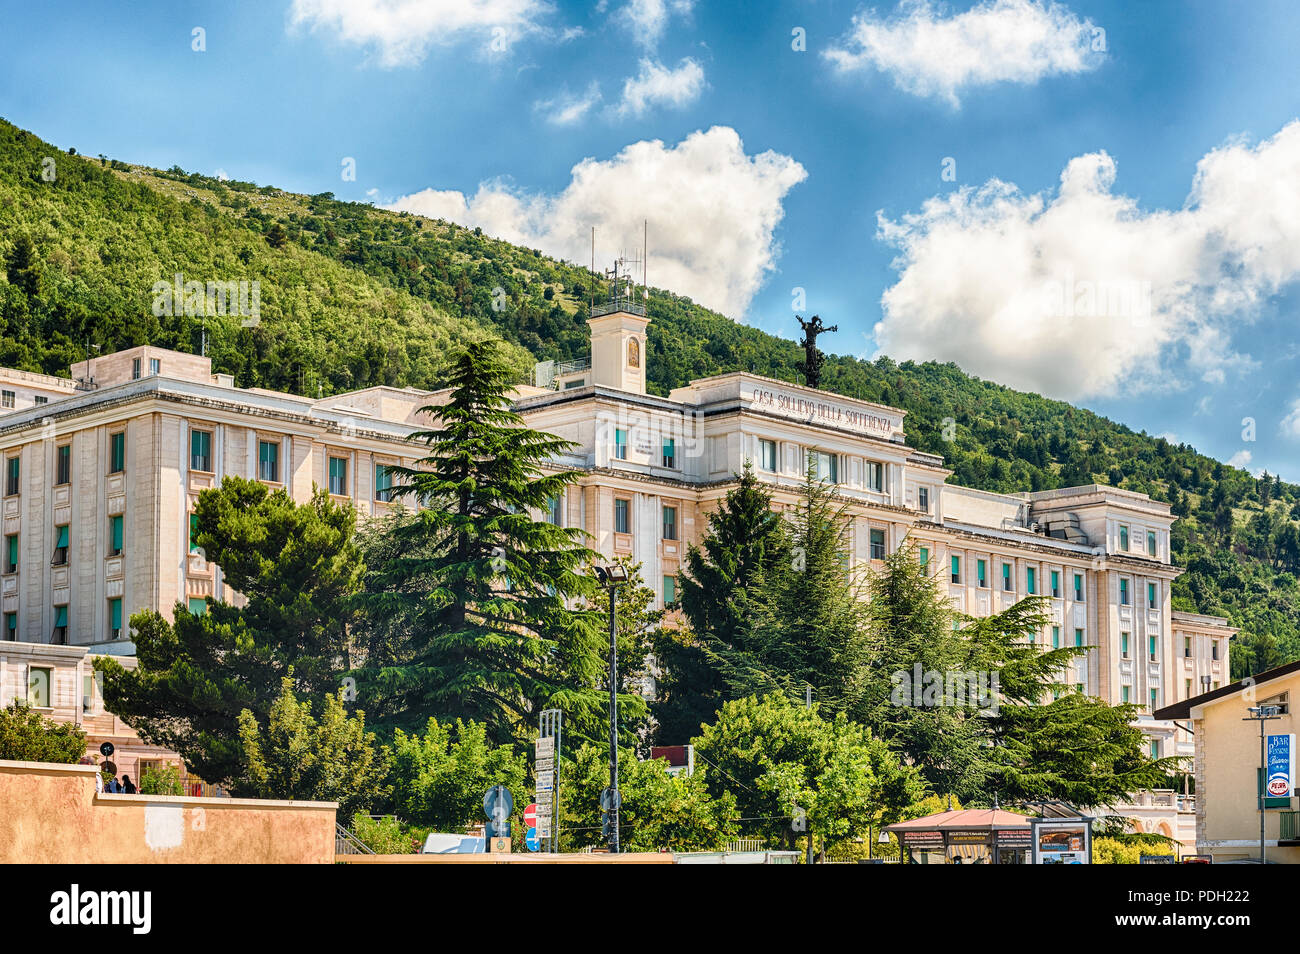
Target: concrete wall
x=50 y=814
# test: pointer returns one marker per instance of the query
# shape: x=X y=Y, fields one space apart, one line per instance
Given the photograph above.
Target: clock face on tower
x=633 y=353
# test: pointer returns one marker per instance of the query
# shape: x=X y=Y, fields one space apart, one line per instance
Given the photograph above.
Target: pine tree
x=297 y=567
x=744 y=545
x=478 y=588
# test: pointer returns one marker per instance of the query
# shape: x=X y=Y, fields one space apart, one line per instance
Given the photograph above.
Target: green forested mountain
x=352 y=295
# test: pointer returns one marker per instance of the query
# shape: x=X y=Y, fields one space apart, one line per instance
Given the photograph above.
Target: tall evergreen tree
x=481 y=587
x=745 y=545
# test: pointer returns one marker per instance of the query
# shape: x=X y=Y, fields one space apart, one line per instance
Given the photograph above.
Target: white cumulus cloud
x=568 y=108
x=711 y=209
x=657 y=85
x=648 y=19
x=928 y=53
x=402 y=31
x=1083 y=293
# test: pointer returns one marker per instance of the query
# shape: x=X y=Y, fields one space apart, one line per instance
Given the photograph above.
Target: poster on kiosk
x=1062 y=841
x=1281 y=765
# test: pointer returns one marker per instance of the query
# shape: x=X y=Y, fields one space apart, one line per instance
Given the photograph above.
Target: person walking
x=127 y=785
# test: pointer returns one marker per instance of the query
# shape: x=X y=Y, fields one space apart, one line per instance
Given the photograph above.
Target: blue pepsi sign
x=1281 y=766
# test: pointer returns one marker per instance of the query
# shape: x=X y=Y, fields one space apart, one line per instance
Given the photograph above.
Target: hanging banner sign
x=1281 y=765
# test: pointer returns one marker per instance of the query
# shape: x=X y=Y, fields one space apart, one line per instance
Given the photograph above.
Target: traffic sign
x=546 y=748
x=609 y=803
x=530 y=815
x=498 y=804
x=533 y=840
x=106 y=749
x=545 y=781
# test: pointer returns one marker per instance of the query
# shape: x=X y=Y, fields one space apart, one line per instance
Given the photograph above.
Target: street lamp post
x=1262 y=714
x=611 y=577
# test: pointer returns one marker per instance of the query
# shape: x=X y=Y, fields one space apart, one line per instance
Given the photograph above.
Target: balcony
x=1288 y=826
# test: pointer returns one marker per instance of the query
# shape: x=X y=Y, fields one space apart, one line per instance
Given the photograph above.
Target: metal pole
x=1263 y=787
x=613 y=721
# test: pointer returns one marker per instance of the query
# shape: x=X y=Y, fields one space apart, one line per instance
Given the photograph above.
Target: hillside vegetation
x=352 y=296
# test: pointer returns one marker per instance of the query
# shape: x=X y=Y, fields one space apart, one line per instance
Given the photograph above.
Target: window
x=383 y=483
x=956 y=569
x=670 y=452
x=1078 y=688
x=1031 y=581
x=554 y=510
x=1056 y=584
x=1152 y=695
x=1151 y=543
x=60 y=635
x=923 y=498
x=115 y=618
x=980 y=579
x=1124 y=694
x=11 y=476
x=201 y=451
x=268 y=461
x=1078 y=587
x=877 y=544
x=198 y=605
x=11 y=626
x=767 y=455
x=135 y=368
x=11 y=553
x=1123 y=537
x=1123 y=592
x=1078 y=639
x=925 y=557
x=41 y=399
x=1151 y=648
x=621 y=516
x=63 y=465
x=1155 y=746
x=7 y=398
x=38 y=688
x=670 y=523
x=1033 y=638
x=1187 y=688
x=339 y=476
x=826 y=467
x=1056 y=637
x=115 y=535
x=620 y=443
x=875 y=476
x=670 y=591
x=155 y=366
x=1214 y=649
x=1006 y=577
x=1152 y=602
x=60 y=556
x=1123 y=645
x=117 y=452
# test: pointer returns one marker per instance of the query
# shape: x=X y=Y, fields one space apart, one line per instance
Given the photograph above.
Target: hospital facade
x=101 y=473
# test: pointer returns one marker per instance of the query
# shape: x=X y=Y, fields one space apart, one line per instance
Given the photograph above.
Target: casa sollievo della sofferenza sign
x=801 y=408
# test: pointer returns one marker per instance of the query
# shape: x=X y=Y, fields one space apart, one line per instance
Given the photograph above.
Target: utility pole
x=611 y=577
x=1261 y=714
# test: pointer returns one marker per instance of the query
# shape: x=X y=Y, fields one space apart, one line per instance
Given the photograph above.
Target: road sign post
x=546 y=772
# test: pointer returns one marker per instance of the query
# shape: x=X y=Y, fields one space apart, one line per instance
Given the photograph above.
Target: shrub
x=388 y=835
x=163 y=781
x=27 y=736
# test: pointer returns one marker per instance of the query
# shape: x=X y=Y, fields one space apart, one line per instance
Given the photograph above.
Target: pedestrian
x=99 y=777
x=128 y=786
x=114 y=785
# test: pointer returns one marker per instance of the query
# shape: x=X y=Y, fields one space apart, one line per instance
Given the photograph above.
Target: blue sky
x=1138 y=151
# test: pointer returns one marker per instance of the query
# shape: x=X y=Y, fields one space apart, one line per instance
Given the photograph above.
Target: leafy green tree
x=294 y=755
x=439 y=778
x=28 y=736
x=298 y=567
x=660 y=810
x=789 y=770
x=480 y=586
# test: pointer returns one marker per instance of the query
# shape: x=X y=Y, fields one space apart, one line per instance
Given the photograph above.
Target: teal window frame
x=201 y=451
x=268 y=461
x=115 y=531
x=338 y=476
x=117 y=452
